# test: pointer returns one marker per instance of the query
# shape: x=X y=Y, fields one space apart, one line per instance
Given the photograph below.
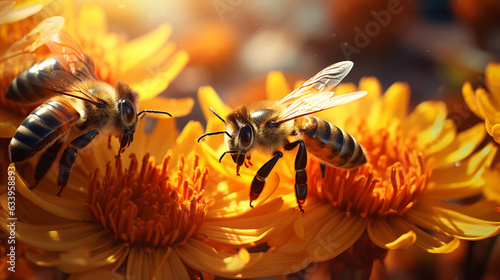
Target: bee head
x=127 y=109
x=241 y=139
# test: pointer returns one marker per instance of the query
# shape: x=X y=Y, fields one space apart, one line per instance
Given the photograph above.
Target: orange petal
x=276 y=86
x=177 y=107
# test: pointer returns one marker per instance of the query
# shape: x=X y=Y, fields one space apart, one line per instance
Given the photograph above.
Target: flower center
x=389 y=184
x=148 y=206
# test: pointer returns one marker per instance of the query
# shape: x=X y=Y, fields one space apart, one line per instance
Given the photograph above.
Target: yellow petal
x=486 y=105
x=151 y=66
x=470 y=99
x=465 y=143
x=208 y=98
x=492 y=76
x=389 y=234
x=495 y=132
x=463 y=179
x=153 y=86
x=426 y=122
x=162 y=138
x=143 y=47
x=92 y=17
x=276 y=86
x=336 y=233
x=396 y=101
x=200 y=256
x=187 y=139
x=453 y=222
x=177 y=107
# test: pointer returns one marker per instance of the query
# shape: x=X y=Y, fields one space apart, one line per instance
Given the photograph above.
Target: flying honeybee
x=77 y=107
x=274 y=127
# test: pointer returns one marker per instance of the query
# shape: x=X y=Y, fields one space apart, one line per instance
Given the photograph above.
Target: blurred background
x=434 y=46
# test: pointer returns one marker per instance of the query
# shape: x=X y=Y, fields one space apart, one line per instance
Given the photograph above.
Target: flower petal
x=250 y=227
x=160 y=79
x=200 y=256
x=386 y=233
x=177 y=107
x=143 y=47
x=465 y=143
x=492 y=77
x=208 y=98
x=463 y=179
x=453 y=222
x=332 y=234
x=276 y=86
x=395 y=103
x=426 y=241
x=470 y=99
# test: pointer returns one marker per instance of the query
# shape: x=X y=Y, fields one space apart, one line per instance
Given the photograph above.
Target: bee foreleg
x=69 y=155
x=300 y=172
x=46 y=161
x=260 y=178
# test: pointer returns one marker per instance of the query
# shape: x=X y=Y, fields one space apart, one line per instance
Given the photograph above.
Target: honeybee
x=274 y=127
x=77 y=107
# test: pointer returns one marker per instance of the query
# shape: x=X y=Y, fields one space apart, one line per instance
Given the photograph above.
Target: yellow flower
x=142 y=216
x=486 y=105
x=418 y=168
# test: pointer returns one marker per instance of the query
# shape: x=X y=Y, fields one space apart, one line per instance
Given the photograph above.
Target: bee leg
x=260 y=178
x=46 y=161
x=300 y=172
x=69 y=155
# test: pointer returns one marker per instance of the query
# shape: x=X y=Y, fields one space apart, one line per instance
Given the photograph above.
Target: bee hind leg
x=46 y=161
x=69 y=155
x=260 y=178
x=300 y=171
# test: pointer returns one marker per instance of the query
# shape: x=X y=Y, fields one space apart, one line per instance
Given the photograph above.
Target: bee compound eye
x=245 y=136
x=127 y=111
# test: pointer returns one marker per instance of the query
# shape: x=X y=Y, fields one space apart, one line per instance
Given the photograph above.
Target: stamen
x=148 y=206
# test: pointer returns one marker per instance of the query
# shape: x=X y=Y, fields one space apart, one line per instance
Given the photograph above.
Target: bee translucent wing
x=325 y=80
x=69 y=54
x=66 y=83
x=313 y=103
x=40 y=35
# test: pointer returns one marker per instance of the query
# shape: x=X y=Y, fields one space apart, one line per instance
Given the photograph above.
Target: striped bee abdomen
x=330 y=143
x=41 y=127
x=29 y=87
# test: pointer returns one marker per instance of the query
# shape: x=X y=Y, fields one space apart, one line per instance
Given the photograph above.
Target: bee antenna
x=152 y=111
x=227 y=152
x=220 y=118
x=215 y=133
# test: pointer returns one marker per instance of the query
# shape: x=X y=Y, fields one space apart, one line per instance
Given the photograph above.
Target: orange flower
x=418 y=167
